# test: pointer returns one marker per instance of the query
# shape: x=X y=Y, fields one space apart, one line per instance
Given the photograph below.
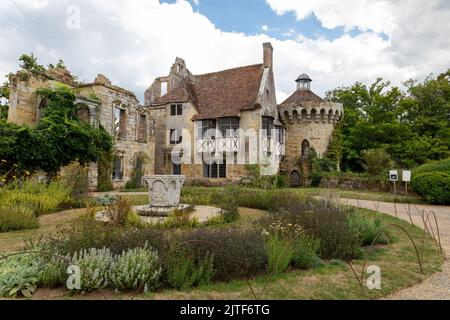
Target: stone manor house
x=208 y=127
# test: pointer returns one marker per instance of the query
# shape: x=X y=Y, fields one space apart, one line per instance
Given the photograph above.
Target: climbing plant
x=58 y=139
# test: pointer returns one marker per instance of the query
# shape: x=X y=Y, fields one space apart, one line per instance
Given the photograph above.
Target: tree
x=377 y=161
x=4 y=100
x=58 y=139
x=412 y=126
x=335 y=148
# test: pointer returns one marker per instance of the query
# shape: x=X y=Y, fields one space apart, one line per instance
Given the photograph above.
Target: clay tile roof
x=226 y=93
x=300 y=96
x=219 y=94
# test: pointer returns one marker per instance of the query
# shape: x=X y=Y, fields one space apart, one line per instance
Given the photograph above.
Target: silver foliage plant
x=137 y=268
x=134 y=269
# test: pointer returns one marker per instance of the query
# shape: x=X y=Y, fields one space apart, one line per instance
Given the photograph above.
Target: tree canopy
x=411 y=125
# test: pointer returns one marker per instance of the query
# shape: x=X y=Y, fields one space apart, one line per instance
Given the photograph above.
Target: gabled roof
x=220 y=94
x=300 y=96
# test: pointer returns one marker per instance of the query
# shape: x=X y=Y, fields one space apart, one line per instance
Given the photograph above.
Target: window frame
x=178 y=136
x=176 y=109
x=229 y=127
x=267 y=125
x=215 y=170
x=204 y=126
x=117 y=159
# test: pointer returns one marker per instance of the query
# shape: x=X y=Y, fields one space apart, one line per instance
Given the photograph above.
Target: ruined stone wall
x=101 y=97
x=23 y=100
x=178 y=72
x=128 y=145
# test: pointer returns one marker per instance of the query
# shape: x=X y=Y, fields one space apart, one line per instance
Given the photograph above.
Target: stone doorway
x=295 y=179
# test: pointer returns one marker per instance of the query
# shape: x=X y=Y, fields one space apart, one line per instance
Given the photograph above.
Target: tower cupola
x=303 y=82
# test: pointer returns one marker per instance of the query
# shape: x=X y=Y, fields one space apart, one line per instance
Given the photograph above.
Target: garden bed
x=249 y=264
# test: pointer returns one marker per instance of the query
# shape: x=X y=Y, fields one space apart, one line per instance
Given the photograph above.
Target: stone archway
x=296 y=179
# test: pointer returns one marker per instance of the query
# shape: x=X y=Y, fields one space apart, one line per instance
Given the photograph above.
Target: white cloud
x=377 y=15
x=133 y=42
x=265 y=28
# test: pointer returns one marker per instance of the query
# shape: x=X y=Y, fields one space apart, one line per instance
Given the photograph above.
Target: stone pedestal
x=164 y=195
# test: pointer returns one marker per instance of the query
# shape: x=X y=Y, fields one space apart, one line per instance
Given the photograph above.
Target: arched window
x=323 y=115
x=313 y=115
x=306 y=147
x=330 y=116
x=304 y=115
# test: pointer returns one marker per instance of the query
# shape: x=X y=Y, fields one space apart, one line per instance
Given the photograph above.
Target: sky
x=132 y=42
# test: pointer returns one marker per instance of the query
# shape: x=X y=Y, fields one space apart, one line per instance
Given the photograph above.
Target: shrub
x=180 y=219
x=320 y=168
x=19 y=275
x=53 y=271
x=104 y=183
x=279 y=253
x=368 y=230
x=119 y=211
x=237 y=253
x=376 y=161
x=434 y=186
x=435 y=166
x=229 y=203
x=305 y=255
x=137 y=268
x=94 y=265
x=39 y=197
x=184 y=271
x=76 y=178
x=321 y=219
x=15 y=218
x=84 y=233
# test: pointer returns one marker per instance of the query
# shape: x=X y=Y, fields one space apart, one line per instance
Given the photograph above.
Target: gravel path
x=437 y=286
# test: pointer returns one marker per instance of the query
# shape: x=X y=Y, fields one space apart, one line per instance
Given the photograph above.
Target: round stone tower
x=309 y=122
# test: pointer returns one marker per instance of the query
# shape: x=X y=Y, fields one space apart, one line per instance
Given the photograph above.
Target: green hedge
x=434 y=186
x=435 y=166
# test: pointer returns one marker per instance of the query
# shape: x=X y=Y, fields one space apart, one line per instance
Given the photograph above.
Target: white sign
x=406 y=176
x=393 y=175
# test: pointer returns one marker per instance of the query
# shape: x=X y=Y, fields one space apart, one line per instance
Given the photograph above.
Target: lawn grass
x=11 y=241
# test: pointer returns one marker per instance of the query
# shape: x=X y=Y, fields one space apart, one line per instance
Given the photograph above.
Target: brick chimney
x=268 y=55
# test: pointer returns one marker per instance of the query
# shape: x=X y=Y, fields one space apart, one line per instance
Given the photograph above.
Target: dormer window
x=176 y=110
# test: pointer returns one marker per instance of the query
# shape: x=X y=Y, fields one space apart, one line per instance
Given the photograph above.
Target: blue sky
x=336 y=42
x=249 y=17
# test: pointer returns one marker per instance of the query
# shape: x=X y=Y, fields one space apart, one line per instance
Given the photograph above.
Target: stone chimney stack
x=268 y=55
